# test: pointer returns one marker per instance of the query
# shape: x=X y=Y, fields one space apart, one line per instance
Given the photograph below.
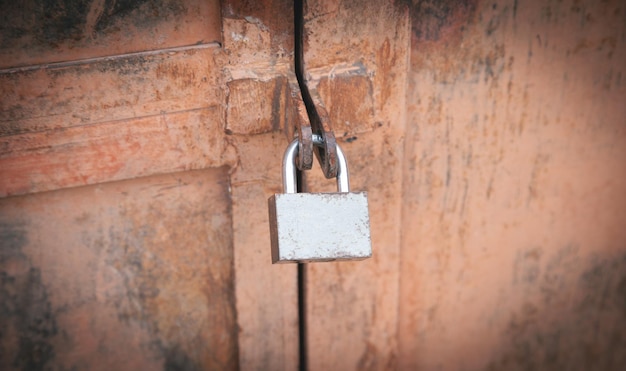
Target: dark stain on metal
x=125 y=66
x=152 y=12
x=76 y=20
x=445 y=36
x=36 y=323
x=165 y=259
x=178 y=360
x=127 y=250
x=573 y=313
x=136 y=250
x=56 y=20
x=527 y=267
x=25 y=308
x=432 y=20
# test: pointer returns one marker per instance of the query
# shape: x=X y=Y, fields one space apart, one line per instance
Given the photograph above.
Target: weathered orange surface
x=109 y=90
x=352 y=306
x=128 y=275
x=489 y=135
x=514 y=202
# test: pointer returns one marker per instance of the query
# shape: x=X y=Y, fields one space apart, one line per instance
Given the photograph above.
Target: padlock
x=313 y=227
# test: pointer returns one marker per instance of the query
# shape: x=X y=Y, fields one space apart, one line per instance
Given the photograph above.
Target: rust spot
x=572 y=316
x=448 y=39
x=279 y=102
x=437 y=31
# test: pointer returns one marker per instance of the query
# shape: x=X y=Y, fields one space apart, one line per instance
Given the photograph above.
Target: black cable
x=298 y=25
x=302 y=347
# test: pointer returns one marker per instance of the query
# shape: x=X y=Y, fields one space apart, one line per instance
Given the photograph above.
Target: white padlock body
x=308 y=227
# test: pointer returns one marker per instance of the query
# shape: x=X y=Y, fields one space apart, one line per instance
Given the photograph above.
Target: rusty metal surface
x=111 y=151
x=40 y=32
x=258 y=43
x=348 y=97
x=360 y=45
x=513 y=254
x=266 y=294
x=109 y=90
x=255 y=107
x=127 y=275
x=502 y=195
x=108 y=120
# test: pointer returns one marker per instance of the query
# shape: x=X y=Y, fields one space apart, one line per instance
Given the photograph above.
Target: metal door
x=139 y=142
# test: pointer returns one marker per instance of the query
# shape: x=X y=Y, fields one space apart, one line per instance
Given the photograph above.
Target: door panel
x=166 y=107
x=135 y=274
x=125 y=262
x=489 y=136
x=514 y=247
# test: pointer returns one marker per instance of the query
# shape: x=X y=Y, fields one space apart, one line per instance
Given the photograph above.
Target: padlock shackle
x=290 y=181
